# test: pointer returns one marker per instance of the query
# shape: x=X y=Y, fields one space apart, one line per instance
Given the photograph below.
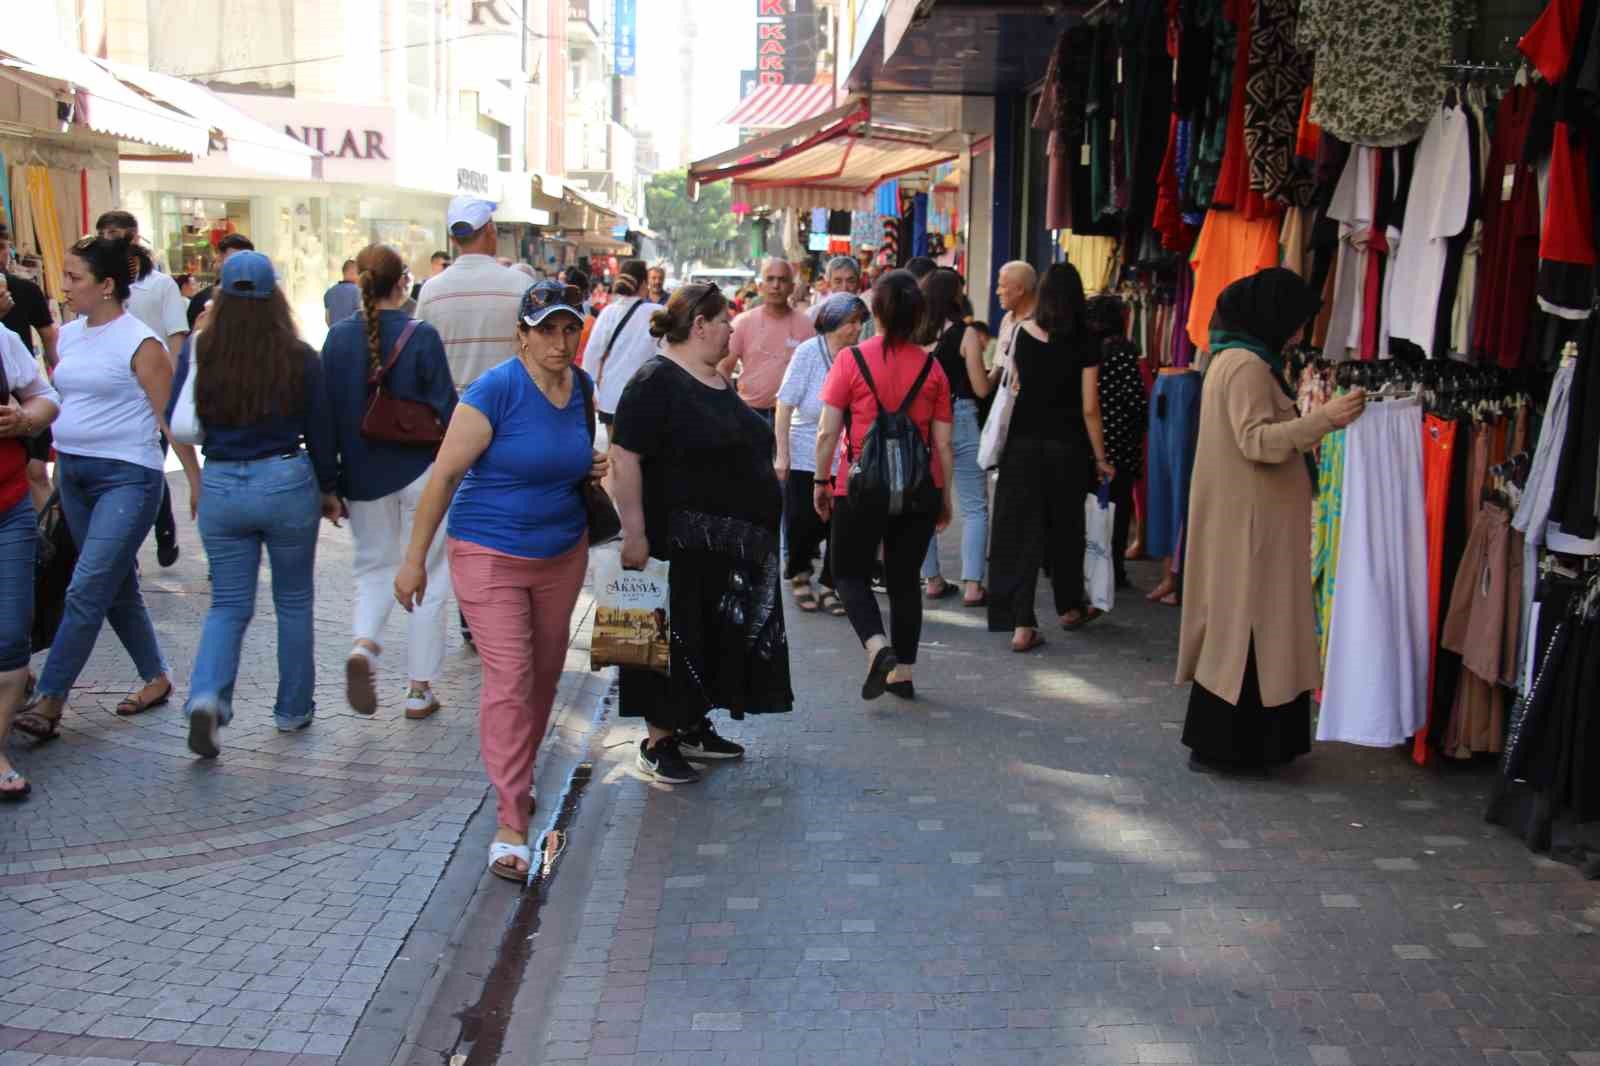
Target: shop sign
x=623 y=59
x=354 y=144
x=488 y=13
x=785 y=41
x=472 y=181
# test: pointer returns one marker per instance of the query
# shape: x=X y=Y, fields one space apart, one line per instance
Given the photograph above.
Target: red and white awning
x=775 y=106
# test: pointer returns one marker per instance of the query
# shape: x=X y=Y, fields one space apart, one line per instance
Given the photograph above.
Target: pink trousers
x=520 y=611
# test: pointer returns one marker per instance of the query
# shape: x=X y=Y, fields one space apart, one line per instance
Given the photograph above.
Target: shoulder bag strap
x=394 y=353
x=611 y=341
x=587 y=385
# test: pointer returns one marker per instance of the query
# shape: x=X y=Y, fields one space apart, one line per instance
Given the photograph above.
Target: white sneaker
x=423 y=706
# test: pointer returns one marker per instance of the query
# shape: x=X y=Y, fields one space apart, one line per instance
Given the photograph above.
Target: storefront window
x=189 y=229
x=307 y=237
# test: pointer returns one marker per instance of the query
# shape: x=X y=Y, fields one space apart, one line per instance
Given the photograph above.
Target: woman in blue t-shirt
x=519 y=446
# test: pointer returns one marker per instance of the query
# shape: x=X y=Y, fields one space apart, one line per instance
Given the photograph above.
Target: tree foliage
x=703 y=231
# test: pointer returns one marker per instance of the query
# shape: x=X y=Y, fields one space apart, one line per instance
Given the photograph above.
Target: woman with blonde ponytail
x=382 y=482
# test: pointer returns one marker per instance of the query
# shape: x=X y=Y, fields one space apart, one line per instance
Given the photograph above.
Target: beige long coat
x=1248 y=567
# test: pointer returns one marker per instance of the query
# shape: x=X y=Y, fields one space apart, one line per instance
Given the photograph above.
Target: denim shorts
x=19 y=544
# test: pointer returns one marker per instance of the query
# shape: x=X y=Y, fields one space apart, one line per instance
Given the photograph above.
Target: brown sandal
x=35 y=723
x=135 y=704
x=1085 y=616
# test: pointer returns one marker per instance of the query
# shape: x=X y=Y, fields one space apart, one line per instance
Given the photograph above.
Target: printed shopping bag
x=630 y=615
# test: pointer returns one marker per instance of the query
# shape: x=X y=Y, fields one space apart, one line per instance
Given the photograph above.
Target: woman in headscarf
x=838 y=320
x=1249 y=639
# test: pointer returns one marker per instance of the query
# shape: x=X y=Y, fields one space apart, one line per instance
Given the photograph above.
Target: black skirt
x=1247 y=735
x=729 y=645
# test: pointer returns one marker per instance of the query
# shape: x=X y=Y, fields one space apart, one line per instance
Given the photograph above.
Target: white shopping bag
x=630 y=615
x=992 y=441
x=1099 y=574
x=185 y=424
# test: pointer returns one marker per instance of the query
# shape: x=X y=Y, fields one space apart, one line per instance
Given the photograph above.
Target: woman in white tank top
x=114 y=378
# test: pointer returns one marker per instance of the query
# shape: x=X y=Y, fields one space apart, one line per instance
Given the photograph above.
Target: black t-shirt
x=948 y=352
x=1050 y=405
x=197 y=303
x=32 y=310
x=701 y=449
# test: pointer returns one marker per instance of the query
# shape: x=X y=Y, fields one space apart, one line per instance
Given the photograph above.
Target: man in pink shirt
x=765 y=337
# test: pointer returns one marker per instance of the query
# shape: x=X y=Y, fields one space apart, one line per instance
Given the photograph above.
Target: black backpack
x=893 y=472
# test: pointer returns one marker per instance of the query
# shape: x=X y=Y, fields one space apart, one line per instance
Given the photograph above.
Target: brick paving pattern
x=158 y=908
x=1019 y=869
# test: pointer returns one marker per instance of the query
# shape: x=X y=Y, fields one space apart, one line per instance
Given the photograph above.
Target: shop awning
x=249 y=142
x=600 y=244
x=834 y=166
x=776 y=106
x=104 y=103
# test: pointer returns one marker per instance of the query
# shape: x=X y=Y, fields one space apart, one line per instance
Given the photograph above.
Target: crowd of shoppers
x=747 y=451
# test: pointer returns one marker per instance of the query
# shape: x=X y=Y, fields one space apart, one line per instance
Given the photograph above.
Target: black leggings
x=1122 y=496
x=807 y=531
x=854 y=549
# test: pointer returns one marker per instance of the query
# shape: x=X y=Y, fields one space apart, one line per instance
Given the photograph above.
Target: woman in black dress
x=692 y=470
x=1054 y=451
x=1124 y=407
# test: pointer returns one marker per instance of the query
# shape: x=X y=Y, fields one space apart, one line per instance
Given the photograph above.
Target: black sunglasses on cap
x=546 y=298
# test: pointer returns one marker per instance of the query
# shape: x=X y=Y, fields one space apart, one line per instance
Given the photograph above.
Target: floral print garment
x=1378 y=75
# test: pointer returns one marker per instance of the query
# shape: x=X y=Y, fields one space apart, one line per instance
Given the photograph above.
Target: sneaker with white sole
x=421 y=706
x=703 y=742
x=203 y=733
x=665 y=763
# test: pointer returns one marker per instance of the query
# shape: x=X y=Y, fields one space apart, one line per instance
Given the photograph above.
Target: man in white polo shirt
x=474 y=304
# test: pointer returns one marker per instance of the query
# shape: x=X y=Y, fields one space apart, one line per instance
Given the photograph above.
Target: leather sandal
x=33 y=722
x=135 y=704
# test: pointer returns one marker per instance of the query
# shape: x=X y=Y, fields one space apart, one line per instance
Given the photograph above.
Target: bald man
x=1017 y=287
x=765 y=337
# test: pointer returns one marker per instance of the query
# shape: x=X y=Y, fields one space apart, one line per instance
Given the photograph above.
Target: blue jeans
x=19 y=543
x=243 y=507
x=109 y=506
x=972 y=494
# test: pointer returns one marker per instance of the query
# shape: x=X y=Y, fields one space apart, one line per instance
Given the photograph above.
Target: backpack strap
x=916 y=386
x=394 y=354
x=866 y=375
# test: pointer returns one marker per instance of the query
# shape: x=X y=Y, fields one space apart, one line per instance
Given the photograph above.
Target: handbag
x=392 y=420
x=604 y=522
x=992 y=441
x=52 y=573
x=185 y=421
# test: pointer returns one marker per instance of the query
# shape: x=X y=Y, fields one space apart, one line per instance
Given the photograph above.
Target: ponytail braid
x=369 y=312
x=379 y=271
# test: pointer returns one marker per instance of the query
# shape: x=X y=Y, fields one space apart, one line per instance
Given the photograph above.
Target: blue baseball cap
x=547 y=298
x=248 y=274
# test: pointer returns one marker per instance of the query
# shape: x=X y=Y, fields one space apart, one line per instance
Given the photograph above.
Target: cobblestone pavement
x=158 y=908
x=1019 y=868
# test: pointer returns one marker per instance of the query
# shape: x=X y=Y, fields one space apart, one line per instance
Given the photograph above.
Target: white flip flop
x=501 y=850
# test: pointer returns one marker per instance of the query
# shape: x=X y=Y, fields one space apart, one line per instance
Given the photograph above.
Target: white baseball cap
x=469 y=214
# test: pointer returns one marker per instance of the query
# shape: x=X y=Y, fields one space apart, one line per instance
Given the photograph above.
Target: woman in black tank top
x=959 y=351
